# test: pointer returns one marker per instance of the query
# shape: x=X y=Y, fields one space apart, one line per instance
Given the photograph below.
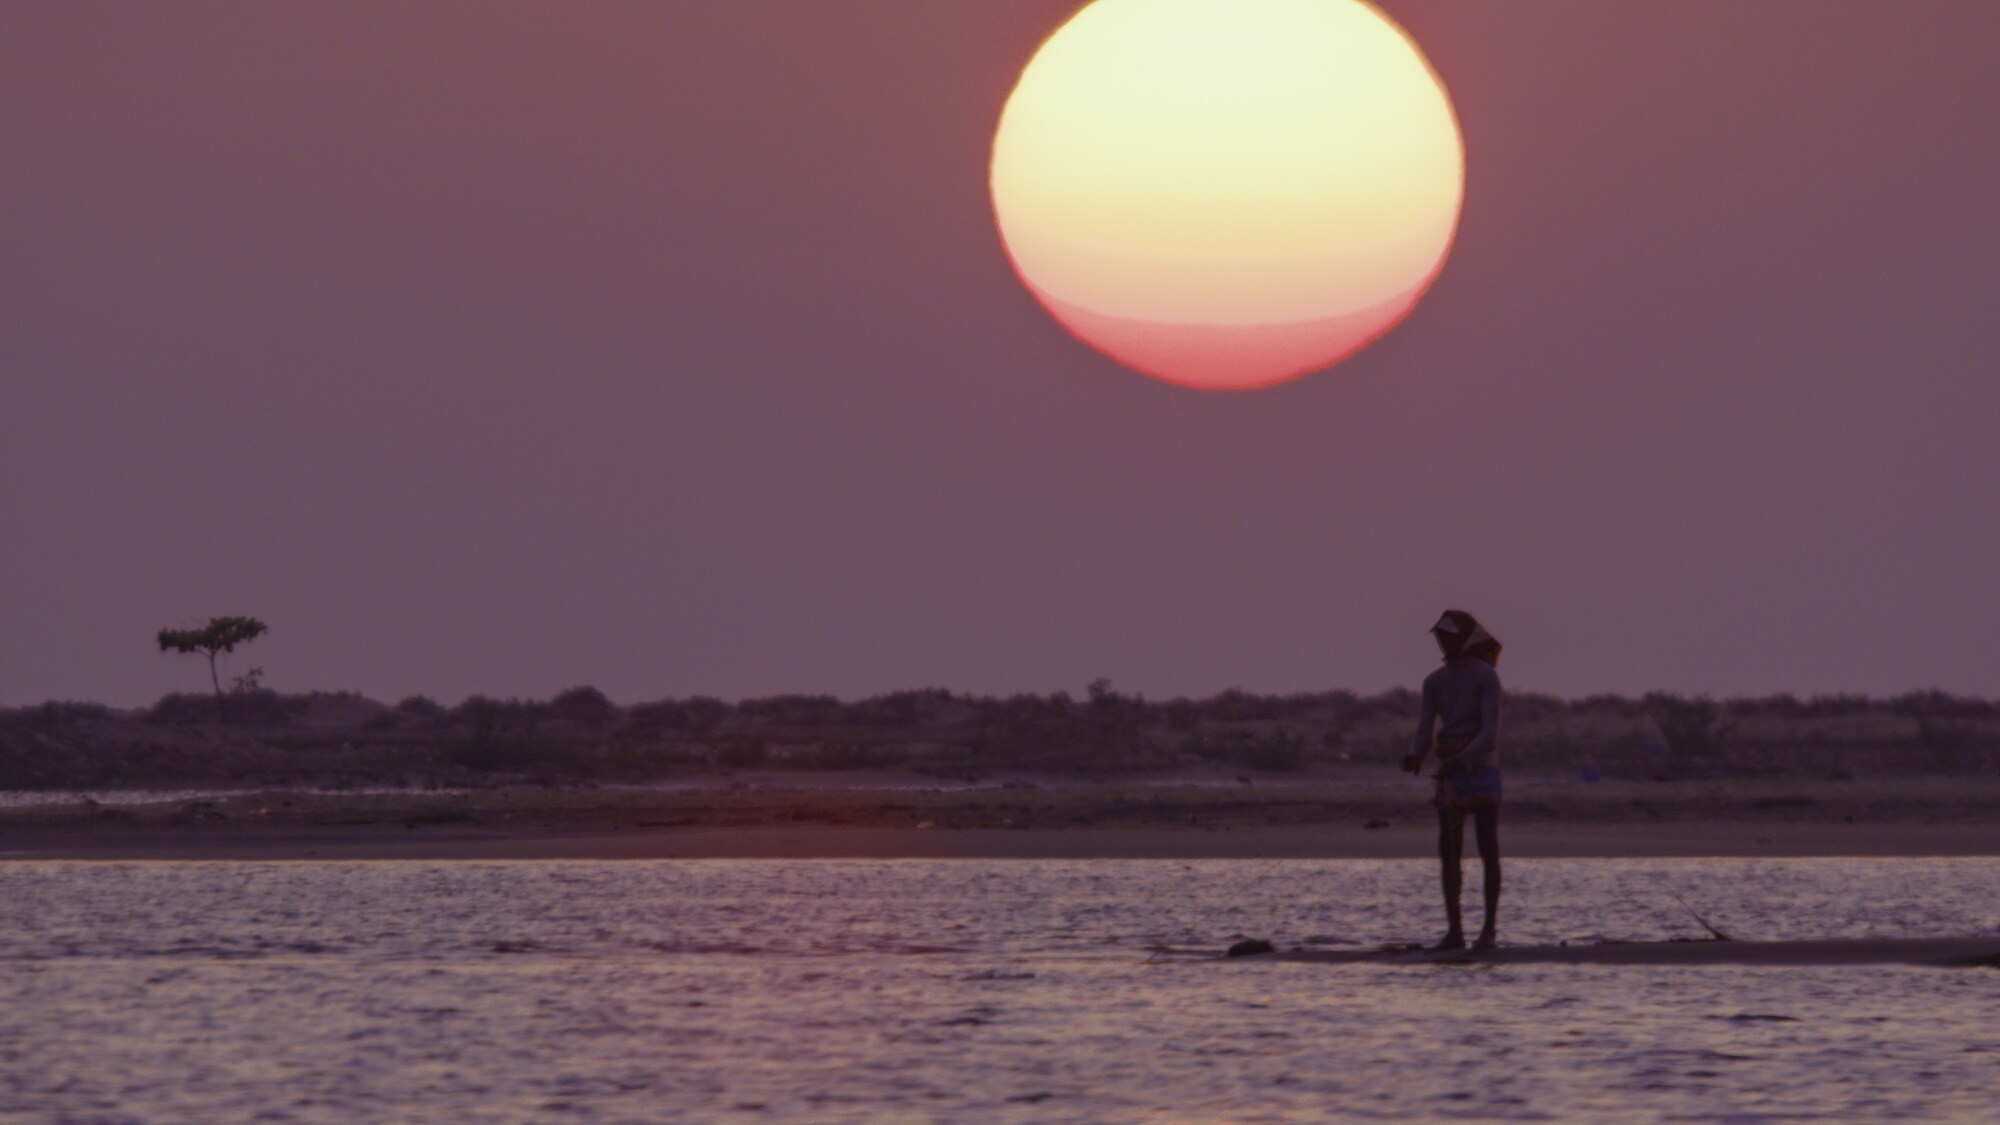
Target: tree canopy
x=220 y=635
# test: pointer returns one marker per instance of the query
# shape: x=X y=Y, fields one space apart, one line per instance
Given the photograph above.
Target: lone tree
x=220 y=635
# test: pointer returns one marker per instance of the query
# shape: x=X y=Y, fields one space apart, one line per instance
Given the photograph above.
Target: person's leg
x=1451 y=846
x=1486 y=830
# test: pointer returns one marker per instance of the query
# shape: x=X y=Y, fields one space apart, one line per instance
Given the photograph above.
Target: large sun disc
x=1228 y=194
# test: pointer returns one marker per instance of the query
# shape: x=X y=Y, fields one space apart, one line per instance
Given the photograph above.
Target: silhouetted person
x=1461 y=719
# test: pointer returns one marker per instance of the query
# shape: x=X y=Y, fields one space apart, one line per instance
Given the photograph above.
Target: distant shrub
x=183 y=709
x=1237 y=706
x=503 y=752
x=264 y=706
x=1530 y=707
x=1784 y=706
x=1398 y=703
x=1034 y=712
x=422 y=706
x=704 y=712
x=1948 y=743
x=583 y=705
x=499 y=712
x=1210 y=750
x=1610 y=706
x=666 y=715
x=1837 y=706
x=56 y=713
x=1181 y=714
x=793 y=710
x=742 y=755
x=1279 y=753
x=646 y=760
x=1692 y=728
x=901 y=707
x=1939 y=705
x=504 y=738
x=332 y=708
x=847 y=756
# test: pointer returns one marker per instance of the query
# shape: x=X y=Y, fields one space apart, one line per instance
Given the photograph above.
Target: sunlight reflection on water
x=939 y=990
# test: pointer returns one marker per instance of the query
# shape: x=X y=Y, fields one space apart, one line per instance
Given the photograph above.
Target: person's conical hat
x=1460 y=634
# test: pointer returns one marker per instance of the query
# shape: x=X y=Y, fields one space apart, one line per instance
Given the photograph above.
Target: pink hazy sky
x=498 y=347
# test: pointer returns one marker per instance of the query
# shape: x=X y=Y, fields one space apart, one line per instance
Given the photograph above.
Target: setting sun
x=1227 y=194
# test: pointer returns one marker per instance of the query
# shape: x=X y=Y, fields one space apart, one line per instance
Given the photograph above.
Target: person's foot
x=1449 y=942
x=1486 y=941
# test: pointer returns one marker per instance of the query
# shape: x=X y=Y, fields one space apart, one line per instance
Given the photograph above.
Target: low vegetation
x=580 y=736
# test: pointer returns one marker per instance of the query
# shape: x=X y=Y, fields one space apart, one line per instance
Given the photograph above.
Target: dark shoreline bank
x=1329 y=818
x=333 y=739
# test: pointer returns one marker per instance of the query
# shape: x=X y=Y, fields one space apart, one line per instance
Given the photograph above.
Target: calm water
x=963 y=991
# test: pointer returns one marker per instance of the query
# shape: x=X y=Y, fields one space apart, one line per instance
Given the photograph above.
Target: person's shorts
x=1469 y=789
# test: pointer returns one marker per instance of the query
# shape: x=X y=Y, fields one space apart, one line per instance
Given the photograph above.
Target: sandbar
x=1970 y=951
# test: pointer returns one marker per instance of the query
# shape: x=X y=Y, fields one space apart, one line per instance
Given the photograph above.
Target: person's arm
x=1420 y=747
x=1479 y=751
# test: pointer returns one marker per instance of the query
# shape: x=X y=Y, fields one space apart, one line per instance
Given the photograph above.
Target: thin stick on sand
x=1718 y=935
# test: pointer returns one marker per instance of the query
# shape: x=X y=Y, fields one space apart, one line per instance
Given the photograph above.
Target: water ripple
x=964 y=991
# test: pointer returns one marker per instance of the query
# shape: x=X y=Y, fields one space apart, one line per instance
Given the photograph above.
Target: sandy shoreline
x=1962 y=952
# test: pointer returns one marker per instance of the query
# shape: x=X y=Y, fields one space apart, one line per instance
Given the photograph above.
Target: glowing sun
x=1228 y=194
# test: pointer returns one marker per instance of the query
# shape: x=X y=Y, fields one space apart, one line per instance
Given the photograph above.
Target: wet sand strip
x=1408 y=839
x=1863 y=951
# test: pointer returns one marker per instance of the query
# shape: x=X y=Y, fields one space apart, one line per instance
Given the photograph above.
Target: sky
x=492 y=347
